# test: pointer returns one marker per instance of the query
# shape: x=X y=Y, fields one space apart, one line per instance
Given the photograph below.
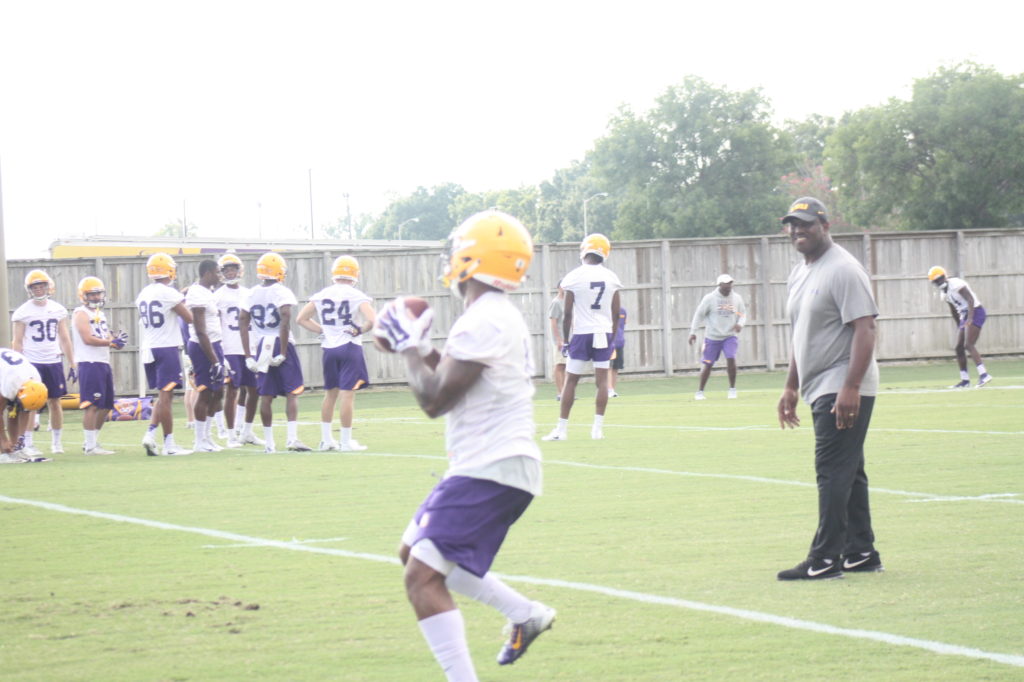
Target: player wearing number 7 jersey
x=345 y=314
x=591 y=303
x=268 y=352
x=160 y=307
x=41 y=334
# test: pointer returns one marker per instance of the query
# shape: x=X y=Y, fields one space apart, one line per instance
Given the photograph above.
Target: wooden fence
x=663 y=279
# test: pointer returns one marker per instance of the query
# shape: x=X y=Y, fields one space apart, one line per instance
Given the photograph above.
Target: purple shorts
x=284 y=379
x=467 y=519
x=164 y=373
x=238 y=374
x=581 y=347
x=53 y=378
x=714 y=347
x=979 y=319
x=95 y=385
x=201 y=366
x=345 y=367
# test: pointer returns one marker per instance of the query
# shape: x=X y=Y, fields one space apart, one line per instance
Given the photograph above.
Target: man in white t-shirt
x=41 y=333
x=345 y=314
x=268 y=350
x=161 y=306
x=240 y=398
x=969 y=316
x=482 y=381
x=21 y=388
x=591 y=304
x=205 y=352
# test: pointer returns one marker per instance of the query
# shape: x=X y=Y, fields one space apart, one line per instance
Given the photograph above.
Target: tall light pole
x=585 y=202
x=404 y=223
x=311 y=203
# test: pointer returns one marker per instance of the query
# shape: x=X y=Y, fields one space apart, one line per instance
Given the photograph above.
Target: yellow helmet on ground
x=229 y=259
x=161 y=266
x=345 y=267
x=32 y=395
x=271 y=266
x=39 y=277
x=92 y=285
x=595 y=243
x=935 y=272
x=491 y=247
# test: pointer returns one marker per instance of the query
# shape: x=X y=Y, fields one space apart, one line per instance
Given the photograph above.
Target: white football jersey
x=199 y=296
x=41 y=343
x=956 y=285
x=15 y=370
x=337 y=306
x=229 y=302
x=99 y=329
x=264 y=307
x=494 y=420
x=592 y=287
x=159 y=321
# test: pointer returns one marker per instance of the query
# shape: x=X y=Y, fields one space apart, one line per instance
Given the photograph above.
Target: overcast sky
x=117 y=116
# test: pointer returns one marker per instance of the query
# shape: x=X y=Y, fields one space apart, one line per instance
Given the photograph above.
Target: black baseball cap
x=807 y=209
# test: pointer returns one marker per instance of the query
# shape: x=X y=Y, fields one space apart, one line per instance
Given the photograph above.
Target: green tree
x=423 y=215
x=174 y=230
x=704 y=161
x=951 y=157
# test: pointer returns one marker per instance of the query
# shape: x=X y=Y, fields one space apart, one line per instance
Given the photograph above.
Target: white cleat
x=10 y=459
x=253 y=439
x=298 y=446
x=56 y=449
x=269 y=448
x=149 y=442
x=352 y=446
x=233 y=443
x=99 y=450
x=596 y=433
x=556 y=435
x=213 y=445
x=613 y=394
x=732 y=394
x=328 y=446
x=699 y=395
x=30 y=451
x=175 y=451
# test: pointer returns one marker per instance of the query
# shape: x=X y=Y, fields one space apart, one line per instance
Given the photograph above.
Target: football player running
x=41 y=334
x=591 y=304
x=345 y=314
x=240 y=398
x=160 y=308
x=268 y=352
x=482 y=381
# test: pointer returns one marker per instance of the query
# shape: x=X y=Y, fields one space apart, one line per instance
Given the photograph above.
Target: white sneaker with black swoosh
x=813 y=569
x=863 y=562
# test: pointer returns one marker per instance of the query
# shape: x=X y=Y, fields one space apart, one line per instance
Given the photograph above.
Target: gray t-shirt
x=556 y=309
x=719 y=314
x=824 y=297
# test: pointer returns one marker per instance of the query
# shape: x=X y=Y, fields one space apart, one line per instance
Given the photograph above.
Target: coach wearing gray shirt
x=832 y=312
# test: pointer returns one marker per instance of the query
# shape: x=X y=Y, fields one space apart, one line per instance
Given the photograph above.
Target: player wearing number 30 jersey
x=160 y=307
x=591 y=304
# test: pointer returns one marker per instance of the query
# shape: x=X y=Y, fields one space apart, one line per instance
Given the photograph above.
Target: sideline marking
x=745 y=614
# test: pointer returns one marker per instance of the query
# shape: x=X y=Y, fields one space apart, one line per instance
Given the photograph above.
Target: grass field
x=658 y=546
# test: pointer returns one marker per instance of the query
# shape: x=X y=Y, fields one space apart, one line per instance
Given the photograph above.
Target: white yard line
x=744 y=614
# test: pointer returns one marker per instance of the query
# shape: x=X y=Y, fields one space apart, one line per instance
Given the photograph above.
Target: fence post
x=961 y=266
x=545 y=282
x=767 y=321
x=666 y=306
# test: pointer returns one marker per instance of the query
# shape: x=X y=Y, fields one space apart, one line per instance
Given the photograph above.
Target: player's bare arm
x=306 y=321
x=439 y=389
x=570 y=299
x=18 y=337
x=790 y=395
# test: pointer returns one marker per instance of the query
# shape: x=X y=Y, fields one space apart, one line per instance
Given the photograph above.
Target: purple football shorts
x=714 y=347
x=52 y=375
x=164 y=373
x=345 y=367
x=467 y=519
x=201 y=366
x=979 y=318
x=284 y=379
x=95 y=385
x=237 y=373
x=581 y=347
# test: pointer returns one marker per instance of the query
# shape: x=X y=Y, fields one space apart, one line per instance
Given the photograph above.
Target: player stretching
x=21 y=393
x=160 y=307
x=343 y=362
x=591 y=303
x=41 y=334
x=240 y=399
x=969 y=316
x=278 y=372
x=483 y=381
x=92 y=341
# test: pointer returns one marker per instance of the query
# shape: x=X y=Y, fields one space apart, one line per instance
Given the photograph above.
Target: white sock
x=492 y=592
x=268 y=434
x=239 y=416
x=598 y=420
x=346 y=435
x=201 y=430
x=293 y=431
x=964 y=375
x=325 y=431
x=981 y=369
x=219 y=418
x=169 y=440
x=446 y=635
x=563 y=425
x=90 y=438
x=246 y=429
x=28 y=439
x=55 y=434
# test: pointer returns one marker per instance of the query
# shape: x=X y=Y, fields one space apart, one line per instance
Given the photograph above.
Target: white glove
x=277 y=360
x=250 y=363
x=403 y=331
